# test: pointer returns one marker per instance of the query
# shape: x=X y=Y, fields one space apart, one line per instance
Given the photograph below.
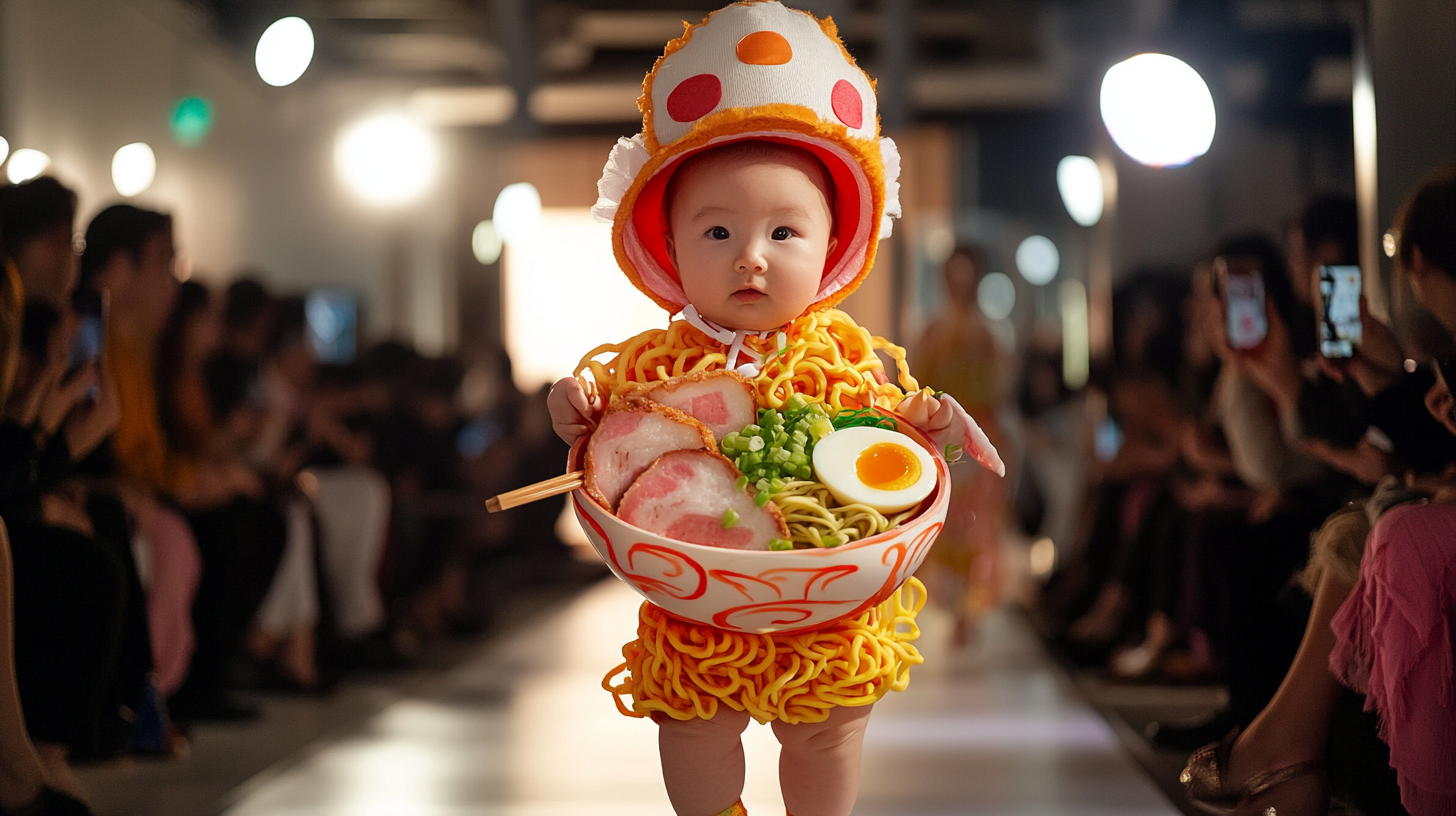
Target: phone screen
x=1340 y=327
x=86 y=347
x=1244 y=304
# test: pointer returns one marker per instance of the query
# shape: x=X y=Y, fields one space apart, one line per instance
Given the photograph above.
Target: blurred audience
x=1279 y=521
x=196 y=506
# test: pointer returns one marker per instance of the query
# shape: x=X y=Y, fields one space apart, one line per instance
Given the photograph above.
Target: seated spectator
x=1382 y=613
x=129 y=254
x=82 y=649
x=27 y=784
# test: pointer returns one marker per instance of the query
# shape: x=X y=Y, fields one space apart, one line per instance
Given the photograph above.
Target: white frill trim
x=627 y=159
x=890 y=156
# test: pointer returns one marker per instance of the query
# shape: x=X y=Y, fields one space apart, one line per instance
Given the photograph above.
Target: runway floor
x=524 y=729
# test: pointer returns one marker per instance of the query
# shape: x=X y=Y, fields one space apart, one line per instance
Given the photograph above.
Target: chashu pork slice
x=685 y=496
x=629 y=438
x=725 y=401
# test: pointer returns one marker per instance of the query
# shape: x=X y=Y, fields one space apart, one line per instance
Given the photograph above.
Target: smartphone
x=1340 y=327
x=86 y=347
x=90 y=336
x=1244 y=305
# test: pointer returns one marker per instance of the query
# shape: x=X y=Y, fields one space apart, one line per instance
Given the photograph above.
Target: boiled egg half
x=878 y=467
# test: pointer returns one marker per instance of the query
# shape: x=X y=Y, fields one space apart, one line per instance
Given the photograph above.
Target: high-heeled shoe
x=1205 y=777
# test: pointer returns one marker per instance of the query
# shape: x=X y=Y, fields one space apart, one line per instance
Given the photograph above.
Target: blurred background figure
x=958 y=354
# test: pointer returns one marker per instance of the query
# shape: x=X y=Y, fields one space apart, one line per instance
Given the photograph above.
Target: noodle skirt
x=684 y=670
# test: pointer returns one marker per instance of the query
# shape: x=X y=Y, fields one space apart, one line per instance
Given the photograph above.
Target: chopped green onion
x=741 y=483
x=730 y=518
x=780 y=544
x=762 y=497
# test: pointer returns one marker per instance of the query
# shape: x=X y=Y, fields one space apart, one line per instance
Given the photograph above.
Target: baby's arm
x=573 y=411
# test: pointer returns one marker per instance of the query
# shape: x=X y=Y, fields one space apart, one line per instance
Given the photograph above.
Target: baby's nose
x=751 y=260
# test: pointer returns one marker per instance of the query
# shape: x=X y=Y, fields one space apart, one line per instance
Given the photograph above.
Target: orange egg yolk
x=887 y=466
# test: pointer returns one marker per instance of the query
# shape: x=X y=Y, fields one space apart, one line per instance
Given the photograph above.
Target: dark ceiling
x=966 y=57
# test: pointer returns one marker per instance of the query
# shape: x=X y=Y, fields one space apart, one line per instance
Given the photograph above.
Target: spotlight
x=1079 y=180
x=387 y=159
x=4 y=149
x=517 y=213
x=25 y=164
x=1158 y=110
x=1037 y=260
x=133 y=168
x=996 y=295
x=485 y=242
x=284 y=51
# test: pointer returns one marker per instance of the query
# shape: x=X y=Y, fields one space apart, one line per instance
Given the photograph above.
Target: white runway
x=525 y=729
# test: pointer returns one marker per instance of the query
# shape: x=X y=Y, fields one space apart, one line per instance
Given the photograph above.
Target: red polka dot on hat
x=848 y=105
x=696 y=96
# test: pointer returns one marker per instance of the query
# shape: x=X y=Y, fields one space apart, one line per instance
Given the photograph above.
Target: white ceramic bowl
x=759 y=591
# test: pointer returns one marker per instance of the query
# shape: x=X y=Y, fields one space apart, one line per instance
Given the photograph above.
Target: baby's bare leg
x=819 y=763
x=702 y=761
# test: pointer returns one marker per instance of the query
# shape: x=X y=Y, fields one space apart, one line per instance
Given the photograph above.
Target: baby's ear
x=671 y=248
x=833 y=242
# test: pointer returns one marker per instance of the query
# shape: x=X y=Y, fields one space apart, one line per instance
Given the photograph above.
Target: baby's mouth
x=749 y=295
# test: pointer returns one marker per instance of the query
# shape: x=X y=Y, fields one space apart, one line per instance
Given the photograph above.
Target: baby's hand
x=573 y=411
x=949 y=426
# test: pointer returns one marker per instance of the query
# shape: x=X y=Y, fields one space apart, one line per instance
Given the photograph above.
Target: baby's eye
x=781 y=233
x=718 y=233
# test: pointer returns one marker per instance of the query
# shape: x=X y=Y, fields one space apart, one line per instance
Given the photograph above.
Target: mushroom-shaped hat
x=753 y=70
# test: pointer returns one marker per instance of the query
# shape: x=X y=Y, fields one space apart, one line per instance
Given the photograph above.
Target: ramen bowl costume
x=786 y=635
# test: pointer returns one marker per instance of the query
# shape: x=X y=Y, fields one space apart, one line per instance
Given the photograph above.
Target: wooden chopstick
x=564 y=483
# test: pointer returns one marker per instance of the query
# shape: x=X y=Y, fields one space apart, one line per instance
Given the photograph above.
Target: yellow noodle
x=682 y=670
x=827 y=358
x=813 y=513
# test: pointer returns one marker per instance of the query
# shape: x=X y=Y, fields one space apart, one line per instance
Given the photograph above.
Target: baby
x=752 y=204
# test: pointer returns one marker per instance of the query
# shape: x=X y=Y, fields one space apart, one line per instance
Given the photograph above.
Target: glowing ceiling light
x=996 y=295
x=26 y=164
x=517 y=213
x=387 y=159
x=284 y=51
x=4 y=149
x=1037 y=260
x=485 y=243
x=1079 y=180
x=133 y=168
x=1158 y=110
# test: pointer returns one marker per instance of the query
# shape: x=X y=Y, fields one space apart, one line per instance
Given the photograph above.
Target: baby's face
x=749 y=237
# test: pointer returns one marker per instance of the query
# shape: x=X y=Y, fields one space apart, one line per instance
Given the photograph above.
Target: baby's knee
x=843 y=726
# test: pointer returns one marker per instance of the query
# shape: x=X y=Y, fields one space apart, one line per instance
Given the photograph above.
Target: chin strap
x=734 y=339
